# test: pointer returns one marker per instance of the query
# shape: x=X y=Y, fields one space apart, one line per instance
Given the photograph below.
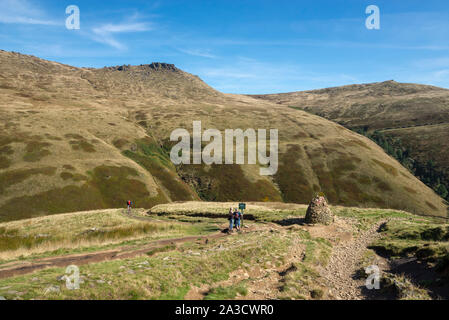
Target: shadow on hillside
x=382 y=294
x=292 y=221
x=422 y=274
x=212 y=215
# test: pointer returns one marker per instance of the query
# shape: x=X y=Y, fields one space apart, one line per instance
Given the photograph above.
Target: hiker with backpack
x=240 y=219
x=129 y=204
x=231 y=219
x=237 y=219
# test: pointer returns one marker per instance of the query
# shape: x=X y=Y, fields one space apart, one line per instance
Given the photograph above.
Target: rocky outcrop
x=162 y=66
x=157 y=66
x=319 y=211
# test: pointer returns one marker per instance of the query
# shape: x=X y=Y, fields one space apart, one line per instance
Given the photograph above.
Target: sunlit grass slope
x=74 y=139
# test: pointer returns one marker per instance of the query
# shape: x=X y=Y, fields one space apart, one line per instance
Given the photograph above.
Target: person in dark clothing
x=231 y=219
x=237 y=220
x=129 y=204
x=240 y=218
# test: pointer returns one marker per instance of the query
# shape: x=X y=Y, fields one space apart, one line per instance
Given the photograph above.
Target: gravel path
x=338 y=274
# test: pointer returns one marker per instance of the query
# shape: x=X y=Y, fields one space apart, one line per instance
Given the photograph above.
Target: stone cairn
x=319 y=212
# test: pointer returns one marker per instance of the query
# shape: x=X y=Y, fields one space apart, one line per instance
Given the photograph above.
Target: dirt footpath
x=20 y=268
x=343 y=264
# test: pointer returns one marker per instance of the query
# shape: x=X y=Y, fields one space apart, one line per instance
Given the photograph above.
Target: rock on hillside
x=319 y=211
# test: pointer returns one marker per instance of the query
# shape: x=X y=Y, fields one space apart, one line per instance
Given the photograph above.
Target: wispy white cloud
x=228 y=73
x=264 y=77
x=23 y=12
x=441 y=75
x=439 y=78
x=429 y=71
x=117 y=28
x=105 y=33
x=301 y=42
x=441 y=62
x=198 y=53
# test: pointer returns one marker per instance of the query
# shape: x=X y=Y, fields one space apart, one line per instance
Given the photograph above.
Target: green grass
x=6 y=150
x=35 y=151
x=126 y=231
x=75 y=177
x=227 y=293
x=317 y=252
x=299 y=283
x=4 y=162
x=155 y=277
x=10 y=240
x=203 y=211
x=82 y=145
x=388 y=169
x=66 y=175
x=10 y=178
x=425 y=241
x=155 y=160
x=361 y=178
x=116 y=185
x=107 y=187
x=291 y=177
x=223 y=182
x=88 y=232
x=168 y=272
x=227 y=183
x=78 y=142
x=420 y=232
x=339 y=180
x=403 y=288
x=161 y=249
x=59 y=200
x=177 y=189
x=367 y=217
x=35 y=148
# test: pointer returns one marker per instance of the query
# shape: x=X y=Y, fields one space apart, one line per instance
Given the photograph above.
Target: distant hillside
x=380 y=105
x=75 y=139
x=414 y=117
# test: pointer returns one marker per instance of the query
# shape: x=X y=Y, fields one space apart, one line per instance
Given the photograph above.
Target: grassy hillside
x=82 y=139
x=416 y=116
x=379 y=105
x=177 y=251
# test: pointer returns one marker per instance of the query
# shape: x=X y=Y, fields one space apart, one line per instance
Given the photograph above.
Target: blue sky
x=243 y=46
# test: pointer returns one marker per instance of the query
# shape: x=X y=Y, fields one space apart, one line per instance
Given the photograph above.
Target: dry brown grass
x=77 y=230
x=379 y=105
x=416 y=114
x=91 y=117
x=222 y=208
